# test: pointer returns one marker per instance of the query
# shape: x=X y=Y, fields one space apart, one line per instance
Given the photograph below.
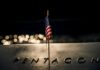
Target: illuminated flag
x=48 y=31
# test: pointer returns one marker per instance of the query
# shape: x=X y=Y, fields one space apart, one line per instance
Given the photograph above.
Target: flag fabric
x=48 y=30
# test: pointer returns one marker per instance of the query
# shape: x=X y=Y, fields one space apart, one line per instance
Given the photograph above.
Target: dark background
x=66 y=18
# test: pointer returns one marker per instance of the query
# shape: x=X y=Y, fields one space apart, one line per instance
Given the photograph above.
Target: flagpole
x=48 y=47
x=48 y=54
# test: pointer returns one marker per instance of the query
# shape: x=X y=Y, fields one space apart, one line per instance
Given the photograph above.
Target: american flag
x=48 y=30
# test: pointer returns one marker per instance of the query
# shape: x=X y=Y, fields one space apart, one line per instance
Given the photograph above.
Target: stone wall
x=64 y=56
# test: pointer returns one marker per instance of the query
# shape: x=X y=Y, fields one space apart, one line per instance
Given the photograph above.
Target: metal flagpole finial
x=47 y=12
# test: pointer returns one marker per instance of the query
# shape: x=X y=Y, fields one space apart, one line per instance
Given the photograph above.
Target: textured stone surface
x=20 y=56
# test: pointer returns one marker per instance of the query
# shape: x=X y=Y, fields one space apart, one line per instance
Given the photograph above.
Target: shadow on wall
x=83 y=38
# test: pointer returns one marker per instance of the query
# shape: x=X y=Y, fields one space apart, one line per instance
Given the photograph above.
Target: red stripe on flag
x=48 y=32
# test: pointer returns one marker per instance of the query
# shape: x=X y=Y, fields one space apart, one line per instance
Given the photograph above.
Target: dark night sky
x=65 y=18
